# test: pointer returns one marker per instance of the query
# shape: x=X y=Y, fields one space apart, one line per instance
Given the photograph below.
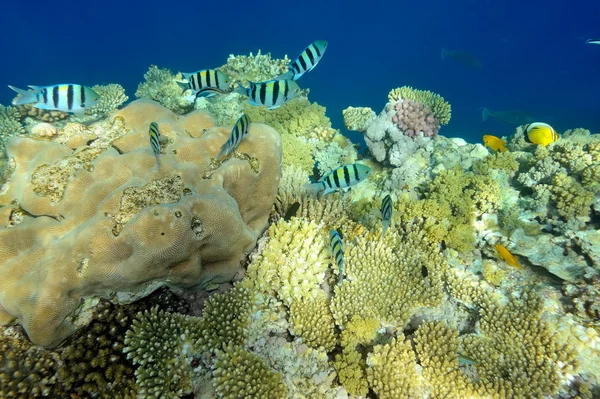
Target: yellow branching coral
x=312 y=321
x=359 y=331
x=392 y=371
x=297 y=152
x=293 y=263
x=350 y=368
x=503 y=161
x=298 y=117
x=572 y=200
x=358 y=118
x=388 y=278
x=440 y=107
x=238 y=373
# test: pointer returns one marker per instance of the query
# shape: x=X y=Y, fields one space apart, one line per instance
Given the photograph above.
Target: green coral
x=112 y=96
x=392 y=371
x=297 y=152
x=226 y=319
x=298 y=117
x=350 y=368
x=311 y=320
x=440 y=107
x=572 y=200
x=254 y=68
x=238 y=373
x=358 y=118
x=161 y=86
x=10 y=124
x=26 y=371
x=503 y=161
x=385 y=280
x=160 y=344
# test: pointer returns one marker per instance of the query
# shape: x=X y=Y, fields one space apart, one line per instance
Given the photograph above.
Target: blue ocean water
x=533 y=53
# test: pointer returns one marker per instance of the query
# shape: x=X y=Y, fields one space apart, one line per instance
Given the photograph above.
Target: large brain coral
x=121 y=226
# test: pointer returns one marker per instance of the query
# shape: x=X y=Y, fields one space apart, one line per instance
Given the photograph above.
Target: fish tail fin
x=26 y=97
x=314 y=188
x=444 y=54
x=485 y=113
x=385 y=227
x=288 y=75
x=184 y=86
x=240 y=89
x=224 y=150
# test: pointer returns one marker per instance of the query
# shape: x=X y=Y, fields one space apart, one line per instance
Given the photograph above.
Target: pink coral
x=412 y=117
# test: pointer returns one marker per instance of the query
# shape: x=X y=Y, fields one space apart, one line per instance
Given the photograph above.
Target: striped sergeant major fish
x=155 y=141
x=342 y=177
x=386 y=213
x=65 y=97
x=306 y=61
x=272 y=93
x=205 y=83
x=240 y=129
x=337 y=249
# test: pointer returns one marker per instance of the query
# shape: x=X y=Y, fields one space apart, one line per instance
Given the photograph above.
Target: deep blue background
x=534 y=56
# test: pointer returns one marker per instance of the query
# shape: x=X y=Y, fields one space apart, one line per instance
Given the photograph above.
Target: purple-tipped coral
x=413 y=117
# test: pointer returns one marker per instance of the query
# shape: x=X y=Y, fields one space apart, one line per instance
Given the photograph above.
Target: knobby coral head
x=412 y=117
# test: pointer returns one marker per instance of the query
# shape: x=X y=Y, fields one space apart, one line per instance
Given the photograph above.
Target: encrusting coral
x=221 y=210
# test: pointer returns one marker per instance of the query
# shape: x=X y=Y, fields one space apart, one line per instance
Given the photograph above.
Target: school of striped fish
x=271 y=94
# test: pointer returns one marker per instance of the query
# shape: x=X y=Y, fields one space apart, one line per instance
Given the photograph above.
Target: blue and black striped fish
x=65 y=98
x=306 y=61
x=337 y=249
x=272 y=93
x=386 y=213
x=205 y=83
x=155 y=141
x=342 y=177
x=240 y=129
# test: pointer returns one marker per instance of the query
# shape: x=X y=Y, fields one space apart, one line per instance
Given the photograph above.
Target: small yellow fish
x=540 y=133
x=506 y=256
x=495 y=143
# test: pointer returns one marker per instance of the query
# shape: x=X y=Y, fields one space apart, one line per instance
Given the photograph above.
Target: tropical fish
x=205 y=83
x=342 y=177
x=306 y=61
x=540 y=133
x=515 y=117
x=272 y=93
x=465 y=360
x=64 y=97
x=240 y=129
x=386 y=213
x=155 y=141
x=506 y=256
x=462 y=57
x=337 y=249
x=495 y=143
x=593 y=41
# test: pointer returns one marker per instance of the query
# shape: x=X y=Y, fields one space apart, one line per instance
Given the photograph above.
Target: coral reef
x=441 y=109
x=93 y=233
x=254 y=68
x=112 y=96
x=10 y=124
x=161 y=86
x=412 y=117
x=358 y=118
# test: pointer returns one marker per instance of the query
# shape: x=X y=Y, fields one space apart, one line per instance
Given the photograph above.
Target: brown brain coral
x=191 y=225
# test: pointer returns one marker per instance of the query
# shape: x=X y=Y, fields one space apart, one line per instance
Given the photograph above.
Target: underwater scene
x=334 y=205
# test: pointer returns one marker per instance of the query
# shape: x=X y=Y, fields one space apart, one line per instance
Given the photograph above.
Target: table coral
x=69 y=240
